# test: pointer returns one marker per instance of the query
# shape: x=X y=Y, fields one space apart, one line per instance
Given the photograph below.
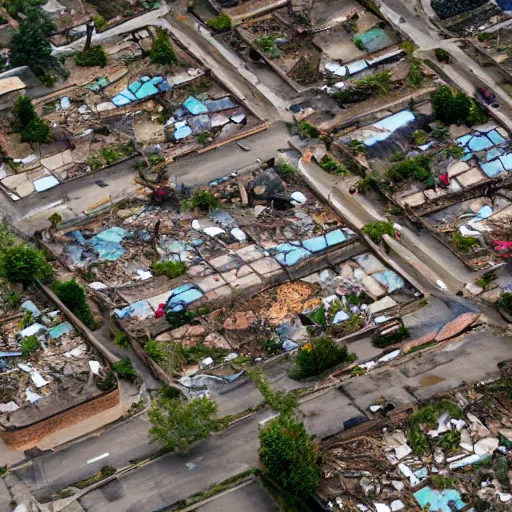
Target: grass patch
x=376 y=230
x=308 y=130
x=422 y=347
x=332 y=166
x=124 y=368
x=171 y=269
x=464 y=244
x=286 y=169
x=103 y=473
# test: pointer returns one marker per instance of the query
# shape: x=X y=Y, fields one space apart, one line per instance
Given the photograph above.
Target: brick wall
x=28 y=437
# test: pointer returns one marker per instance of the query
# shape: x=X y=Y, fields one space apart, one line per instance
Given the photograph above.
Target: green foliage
x=332 y=166
x=100 y=23
x=74 y=297
x=398 y=156
x=289 y=456
x=364 y=184
x=443 y=482
x=177 y=424
x=358 y=370
x=55 y=218
x=357 y=147
x=171 y=392
x=197 y=353
x=37 y=131
x=359 y=44
x=376 y=230
x=419 y=137
x=202 y=199
x=22 y=264
x=6 y=238
x=505 y=302
x=451 y=440
x=104 y=472
x=122 y=340
x=124 y=368
x=441 y=133
x=455 y=108
x=485 y=36
x=3 y=470
x=154 y=350
x=221 y=23
x=267 y=43
x=318 y=356
x=27 y=320
x=171 y=269
x=417 y=440
x=454 y=151
x=30 y=345
x=284 y=404
x=285 y=169
x=156 y=158
x=486 y=279
x=13 y=299
x=308 y=130
x=23 y=112
x=417 y=168
x=162 y=50
x=380 y=82
x=271 y=346
x=464 y=243
x=408 y=47
x=30 y=47
x=415 y=76
x=442 y=55
x=387 y=339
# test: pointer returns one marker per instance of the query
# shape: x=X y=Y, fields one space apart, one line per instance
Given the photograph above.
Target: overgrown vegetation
x=221 y=23
x=124 y=368
x=285 y=169
x=318 y=356
x=171 y=269
x=376 y=230
x=178 y=423
x=486 y=279
x=162 y=50
x=74 y=297
x=456 y=107
x=122 y=340
x=202 y=199
x=332 y=166
x=94 y=56
x=308 y=130
x=383 y=340
x=415 y=76
x=29 y=346
x=22 y=264
x=28 y=124
x=505 y=302
x=104 y=472
x=464 y=243
x=416 y=168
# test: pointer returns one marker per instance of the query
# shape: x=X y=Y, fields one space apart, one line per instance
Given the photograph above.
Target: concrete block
x=415 y=200
x=470 y=177
x=266 y=266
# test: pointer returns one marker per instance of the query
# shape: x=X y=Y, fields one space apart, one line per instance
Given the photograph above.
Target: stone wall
x=28 y=437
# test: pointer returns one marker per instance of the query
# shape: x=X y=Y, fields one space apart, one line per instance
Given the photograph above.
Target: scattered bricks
x=418 y=342
x=457 y=326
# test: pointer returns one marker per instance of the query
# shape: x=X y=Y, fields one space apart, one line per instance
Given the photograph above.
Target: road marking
x=96 y=459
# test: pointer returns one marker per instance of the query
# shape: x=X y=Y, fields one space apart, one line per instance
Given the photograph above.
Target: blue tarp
x=182 y=296
x=220 y=104
x=60 y=330
x=194 y=106
x=141 y=89
x=376 y=39
x=506 y=5
x=139 y=310
x=439 y=501
x=391 y=280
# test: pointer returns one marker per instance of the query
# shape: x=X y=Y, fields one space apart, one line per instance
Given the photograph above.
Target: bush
x=122 y=340
x=441 y=133
x=318 y=356
x=455 y=108
x=171 y=269
x=464 y=243
x=171 y=392
x=419 y=137
x=221 y=23
x=36 y=132
x=162 y=50
x=417 y=168
x=23 y=112
x=94 y=56
x=442 y=55
x=22 y=264
x=285 y=169
x=505 y=302
x=30 y=345
x=376 y=230
x=364 y=184
x=387 y=339
x=177 y=424
x=202 y=199
x=153 y=350
x=415 y=76
x=307 y=130
x=332 y=166
x=55 y=218
x=74 y=297
x=124 y=368
x=380 y=81
x=289 y=456
x=100 y=23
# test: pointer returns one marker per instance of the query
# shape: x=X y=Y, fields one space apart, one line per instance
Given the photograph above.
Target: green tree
x=22 y=264
x=458 y=108
x=37 y=131
x=29 y=47
x=94 y=56
x=74 y=297
x=23 y=112
x=178 y=423
x=289 y=456
x=283 y=403
x=162 y=50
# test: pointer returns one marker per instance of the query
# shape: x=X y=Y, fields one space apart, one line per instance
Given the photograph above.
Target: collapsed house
x=50 y=376
x=451 y=454
x=129 y=109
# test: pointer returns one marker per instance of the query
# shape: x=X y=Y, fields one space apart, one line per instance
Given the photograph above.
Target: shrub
x=332 y=166
x=55 y=218
x=171 y=392
x=442 y=55
x=454 y=151
x=122 y=340
x=376 y=230
x=75 y=298
x=27 y=320
x=364 y=184
x=308 y=130
x=417 y=168
x=36 y=132
x=30 y=345
x=408 y=47
x=455 y=108
x=221 y=23
x=415 y=76
x=177 y=424
x=505 y=302
x=398 y=156
x=357 y=147
x=94 y=56
x=464 y=243
x=22 y=264
x=419 y=137
x=390 y=338
x=286 y=169
x=124 y=368
x=318 y=356
x=289 y=456
x=100 y=23
x=153 y=350
x=171 y=269
x=13 y=299
x=162 y=50
x=23 y=112
x=381 y=82
x=441 y=133
x=202 y=199
x=110 y=155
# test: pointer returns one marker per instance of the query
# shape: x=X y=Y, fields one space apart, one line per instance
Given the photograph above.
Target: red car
x=488 y=97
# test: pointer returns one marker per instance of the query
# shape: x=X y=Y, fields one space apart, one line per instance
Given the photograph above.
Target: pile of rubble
x=446 y=456
x=45 y=362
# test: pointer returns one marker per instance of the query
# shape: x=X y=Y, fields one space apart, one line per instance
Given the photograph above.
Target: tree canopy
x=162 y=50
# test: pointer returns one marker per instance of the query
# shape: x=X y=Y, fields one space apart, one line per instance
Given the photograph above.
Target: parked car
x=487 y=97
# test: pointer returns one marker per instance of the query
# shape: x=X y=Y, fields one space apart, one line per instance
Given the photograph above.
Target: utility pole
x=88 y=39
